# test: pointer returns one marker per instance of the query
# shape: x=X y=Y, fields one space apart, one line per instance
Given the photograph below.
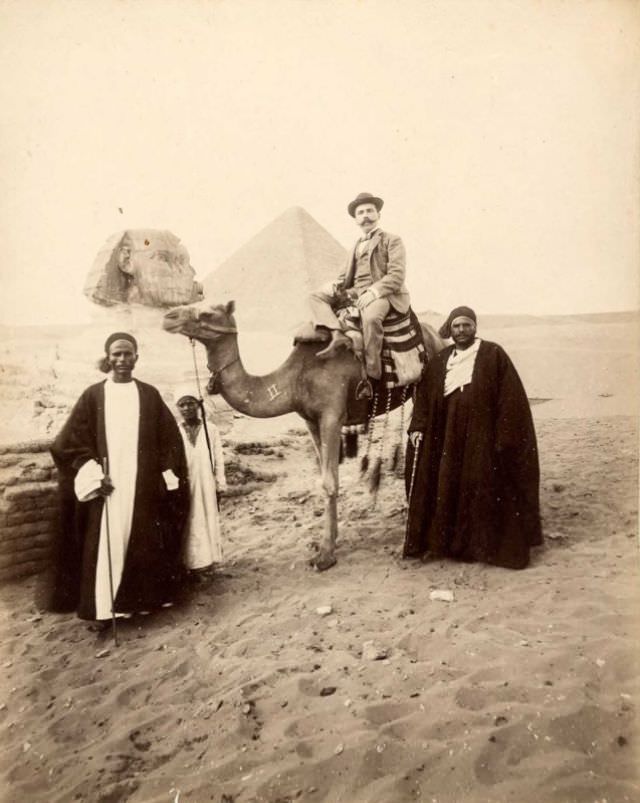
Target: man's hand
x=106 y=487
x=415 y=438
x=365 y=299
x=342 y=298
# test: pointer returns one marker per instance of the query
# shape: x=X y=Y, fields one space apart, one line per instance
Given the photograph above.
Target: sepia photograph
x=319 y=398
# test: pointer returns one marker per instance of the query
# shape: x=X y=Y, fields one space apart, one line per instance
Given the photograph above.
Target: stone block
x=35 y=514
x=46 y=490
x=35 y=474
x=18 y=546
x=25 y=447
x=19 y=532
x=20 y=570
x=40 y=554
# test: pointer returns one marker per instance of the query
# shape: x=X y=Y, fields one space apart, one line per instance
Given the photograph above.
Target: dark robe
x=475 y=494
x=152 y=560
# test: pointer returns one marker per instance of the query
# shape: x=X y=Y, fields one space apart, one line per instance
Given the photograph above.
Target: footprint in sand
x=387 y=713
x=478 y=698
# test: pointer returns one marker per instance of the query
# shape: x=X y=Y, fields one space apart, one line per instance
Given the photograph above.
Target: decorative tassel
x=341 y=451
x=376 y=476
x=364 y=465
x=399 y=456
x=351 y=444
x=395 y=459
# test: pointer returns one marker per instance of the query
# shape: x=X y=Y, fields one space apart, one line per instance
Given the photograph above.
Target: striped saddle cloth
x=403 y=353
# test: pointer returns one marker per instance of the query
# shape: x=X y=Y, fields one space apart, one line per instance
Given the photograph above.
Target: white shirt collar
x=370 y=235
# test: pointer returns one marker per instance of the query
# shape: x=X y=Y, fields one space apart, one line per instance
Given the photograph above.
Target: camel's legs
x=329 y=458
x=314 y=431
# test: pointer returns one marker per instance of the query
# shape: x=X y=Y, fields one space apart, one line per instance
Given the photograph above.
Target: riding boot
x=338 y=341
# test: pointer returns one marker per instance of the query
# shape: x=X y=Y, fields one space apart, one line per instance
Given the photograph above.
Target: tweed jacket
x=387 y=262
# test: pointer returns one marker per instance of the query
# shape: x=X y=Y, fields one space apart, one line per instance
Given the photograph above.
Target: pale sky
x=503 y=136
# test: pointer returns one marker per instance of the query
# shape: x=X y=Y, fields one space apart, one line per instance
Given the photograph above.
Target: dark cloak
x=476 y=486
x=152 y=560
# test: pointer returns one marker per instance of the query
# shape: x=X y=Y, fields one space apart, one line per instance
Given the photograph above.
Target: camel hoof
x=323 y=562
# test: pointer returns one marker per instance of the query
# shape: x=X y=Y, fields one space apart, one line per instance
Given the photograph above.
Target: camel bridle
x=220 y=330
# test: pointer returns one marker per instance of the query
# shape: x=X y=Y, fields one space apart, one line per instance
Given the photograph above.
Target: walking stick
x=414 y=467
x=105 y=469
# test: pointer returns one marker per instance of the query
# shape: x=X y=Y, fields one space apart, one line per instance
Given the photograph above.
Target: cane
x=105 y=470
x=414 y=467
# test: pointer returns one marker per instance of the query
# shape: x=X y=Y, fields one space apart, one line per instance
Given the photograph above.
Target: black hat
x=364 y=198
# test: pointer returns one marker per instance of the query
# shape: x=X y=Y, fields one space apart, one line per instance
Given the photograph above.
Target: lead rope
x=376 y=472
x=201 y=404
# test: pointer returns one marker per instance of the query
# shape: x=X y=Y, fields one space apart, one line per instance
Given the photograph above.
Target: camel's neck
x=257 y=396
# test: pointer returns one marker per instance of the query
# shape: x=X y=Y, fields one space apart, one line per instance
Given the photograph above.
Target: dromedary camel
x=322 y=392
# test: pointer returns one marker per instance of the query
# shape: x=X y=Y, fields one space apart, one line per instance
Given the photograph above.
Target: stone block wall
x=28 y=508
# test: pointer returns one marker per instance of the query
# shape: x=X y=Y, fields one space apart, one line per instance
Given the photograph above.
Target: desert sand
x=522 y=688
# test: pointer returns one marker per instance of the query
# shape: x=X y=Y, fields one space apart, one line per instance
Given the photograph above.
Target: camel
x=322 y=392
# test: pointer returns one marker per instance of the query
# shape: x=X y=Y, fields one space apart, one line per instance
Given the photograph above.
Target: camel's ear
x=230 y=308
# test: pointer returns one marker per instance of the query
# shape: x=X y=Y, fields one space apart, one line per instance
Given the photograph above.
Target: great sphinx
x=142 y=266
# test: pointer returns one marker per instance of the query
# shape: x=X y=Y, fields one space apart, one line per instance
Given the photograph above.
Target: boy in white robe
x=202 y=543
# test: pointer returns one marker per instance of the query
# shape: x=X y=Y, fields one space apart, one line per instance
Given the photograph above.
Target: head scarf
x=458 y=312
x=103 y=362
x=120 y=336
x=184 y=390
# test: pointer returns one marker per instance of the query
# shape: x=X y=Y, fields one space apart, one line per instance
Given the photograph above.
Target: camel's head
x=201 y=321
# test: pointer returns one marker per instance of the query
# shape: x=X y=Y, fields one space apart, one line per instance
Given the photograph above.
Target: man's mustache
x=366 y=220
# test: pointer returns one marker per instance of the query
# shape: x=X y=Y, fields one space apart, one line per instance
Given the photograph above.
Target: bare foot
x=99 y=626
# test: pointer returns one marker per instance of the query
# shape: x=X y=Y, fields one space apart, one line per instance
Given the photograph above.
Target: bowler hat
x=364 y=198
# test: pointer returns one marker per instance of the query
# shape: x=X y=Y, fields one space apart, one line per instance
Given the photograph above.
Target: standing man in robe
x=472 y=464
x=373 y=277
x=123 y=485
x=202 y=539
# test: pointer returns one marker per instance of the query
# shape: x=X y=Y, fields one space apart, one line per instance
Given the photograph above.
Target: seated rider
x=373 y=278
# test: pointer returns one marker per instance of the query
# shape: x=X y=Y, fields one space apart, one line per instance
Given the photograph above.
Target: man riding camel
x=374 y=281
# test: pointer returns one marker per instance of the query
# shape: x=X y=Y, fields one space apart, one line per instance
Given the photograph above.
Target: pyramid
x=271 y=276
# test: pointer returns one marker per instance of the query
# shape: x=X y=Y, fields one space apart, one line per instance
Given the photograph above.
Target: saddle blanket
x=403 y=352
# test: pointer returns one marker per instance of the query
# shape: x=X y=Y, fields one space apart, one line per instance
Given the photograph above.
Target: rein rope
x=201 y=405
x=214 y=375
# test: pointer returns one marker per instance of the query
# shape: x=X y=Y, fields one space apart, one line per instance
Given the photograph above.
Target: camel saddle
x=403 y=352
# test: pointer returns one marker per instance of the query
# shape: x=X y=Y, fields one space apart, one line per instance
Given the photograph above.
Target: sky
x=503 y=135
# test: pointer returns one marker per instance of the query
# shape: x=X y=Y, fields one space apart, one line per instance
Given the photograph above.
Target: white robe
x=202 y=542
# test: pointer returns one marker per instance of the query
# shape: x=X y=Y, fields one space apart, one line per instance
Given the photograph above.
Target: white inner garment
x=122 y=413
x=460 y=367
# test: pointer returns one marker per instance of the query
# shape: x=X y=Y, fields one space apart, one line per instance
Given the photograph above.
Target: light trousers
x=321 y=303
